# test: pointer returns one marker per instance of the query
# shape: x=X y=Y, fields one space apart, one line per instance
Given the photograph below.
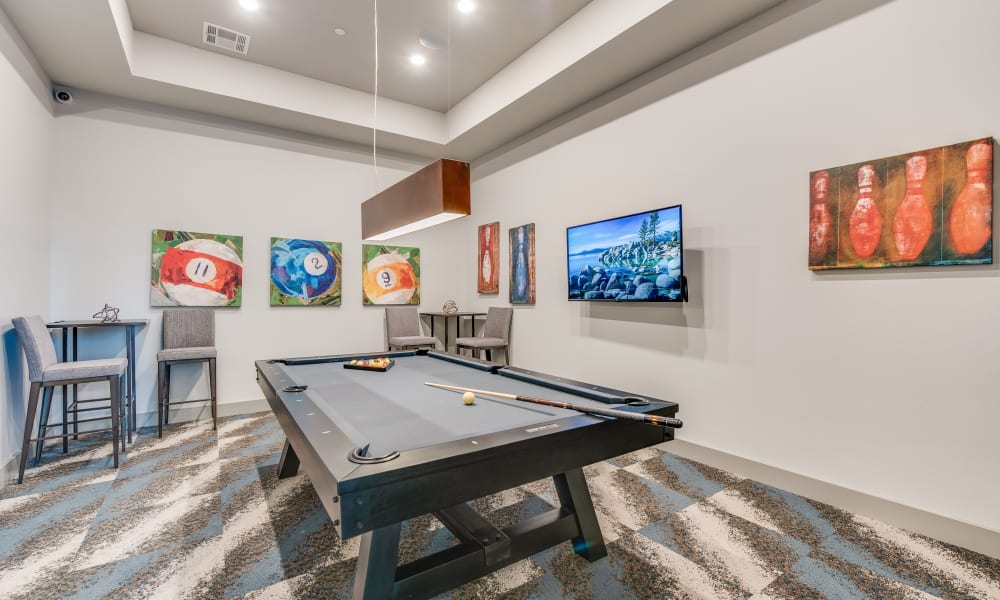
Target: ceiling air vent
x=227 y=39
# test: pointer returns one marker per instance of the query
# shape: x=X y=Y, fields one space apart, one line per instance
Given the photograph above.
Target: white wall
x=25 y=213
x=884 y=382
x=126 y=169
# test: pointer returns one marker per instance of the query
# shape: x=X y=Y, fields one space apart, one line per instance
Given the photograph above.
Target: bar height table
x=458 y=323
x=130 y=326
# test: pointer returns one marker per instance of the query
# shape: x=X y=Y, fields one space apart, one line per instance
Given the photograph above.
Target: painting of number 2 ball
x=390 y=274
x=305 y=272
x=196 y=269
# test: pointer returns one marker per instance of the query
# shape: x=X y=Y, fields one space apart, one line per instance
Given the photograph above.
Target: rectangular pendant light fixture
x=435 y=194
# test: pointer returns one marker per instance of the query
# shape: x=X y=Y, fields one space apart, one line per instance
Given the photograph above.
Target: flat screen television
x=635 y=258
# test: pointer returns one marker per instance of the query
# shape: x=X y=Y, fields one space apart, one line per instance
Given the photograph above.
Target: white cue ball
x=468 y=398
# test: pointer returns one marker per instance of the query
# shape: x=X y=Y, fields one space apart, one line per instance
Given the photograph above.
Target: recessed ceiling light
x=418 y=59
x=340 y=31
x=250 y=4
x=465 y=6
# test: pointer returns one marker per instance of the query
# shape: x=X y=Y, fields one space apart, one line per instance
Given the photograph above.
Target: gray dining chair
x=495 y=334
x=45 y=373
x=188 y=337
x=402 y=329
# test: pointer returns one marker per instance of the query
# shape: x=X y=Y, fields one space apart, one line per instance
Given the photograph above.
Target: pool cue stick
x=604 y=412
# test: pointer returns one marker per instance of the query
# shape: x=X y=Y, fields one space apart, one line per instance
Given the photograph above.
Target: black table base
x=483 y=548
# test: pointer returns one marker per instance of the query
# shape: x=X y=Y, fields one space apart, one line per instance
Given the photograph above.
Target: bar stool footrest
x=91 y=409
x=173 y=402
x=65 y=435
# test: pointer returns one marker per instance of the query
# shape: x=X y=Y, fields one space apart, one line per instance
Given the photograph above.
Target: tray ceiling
x=490 y=76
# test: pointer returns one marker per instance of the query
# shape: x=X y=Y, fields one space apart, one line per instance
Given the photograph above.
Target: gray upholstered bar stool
x=495 y=334
x=188 y=337
x=402 y=328
x=46 y=372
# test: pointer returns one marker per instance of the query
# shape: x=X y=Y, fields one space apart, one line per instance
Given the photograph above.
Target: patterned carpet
x=202 y=515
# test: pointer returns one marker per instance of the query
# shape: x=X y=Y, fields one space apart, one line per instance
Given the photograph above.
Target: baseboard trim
x=194 y=412
x=9 y=471
x=246 y=407
x=976 y=538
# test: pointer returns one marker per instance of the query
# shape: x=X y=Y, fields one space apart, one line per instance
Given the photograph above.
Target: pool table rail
x=469 y=361
x=593 y=392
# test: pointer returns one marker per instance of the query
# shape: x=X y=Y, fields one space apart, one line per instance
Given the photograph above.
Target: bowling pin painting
x=522 y=264
x=305 y=272
x=927 y=208
x=969 y=213
x=196 y=269
x=821 y=224
x=390 y=274
x=488 y=259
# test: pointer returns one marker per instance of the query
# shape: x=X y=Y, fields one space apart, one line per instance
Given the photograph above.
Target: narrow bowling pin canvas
x=522 y=264
x=488 y=261
x=926 y=208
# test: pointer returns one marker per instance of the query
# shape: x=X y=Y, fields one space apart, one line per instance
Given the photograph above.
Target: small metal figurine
x=449 y=307
x=108 y=314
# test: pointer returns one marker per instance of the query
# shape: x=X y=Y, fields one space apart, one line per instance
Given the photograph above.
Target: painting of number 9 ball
x=390 y=278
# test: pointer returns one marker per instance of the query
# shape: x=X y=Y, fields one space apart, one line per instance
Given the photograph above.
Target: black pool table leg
x=574 y=496
x=288 y=466
x=375 y=575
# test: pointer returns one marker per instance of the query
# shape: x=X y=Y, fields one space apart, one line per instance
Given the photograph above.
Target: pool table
x=382 y=447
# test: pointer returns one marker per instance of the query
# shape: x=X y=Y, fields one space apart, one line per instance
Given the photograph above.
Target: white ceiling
x=298 y=36
x=510 y=66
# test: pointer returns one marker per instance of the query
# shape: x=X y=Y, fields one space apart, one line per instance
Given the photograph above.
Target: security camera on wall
x=62 y=95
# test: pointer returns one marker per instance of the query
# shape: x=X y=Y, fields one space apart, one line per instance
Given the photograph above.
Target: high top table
x=458 y=323
x=130 y=326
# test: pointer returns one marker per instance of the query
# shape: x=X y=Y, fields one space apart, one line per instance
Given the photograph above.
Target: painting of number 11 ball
x=928 y=208
x=196 y=269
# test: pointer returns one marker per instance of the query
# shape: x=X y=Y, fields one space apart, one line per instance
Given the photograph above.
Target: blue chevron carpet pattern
x=201 y=514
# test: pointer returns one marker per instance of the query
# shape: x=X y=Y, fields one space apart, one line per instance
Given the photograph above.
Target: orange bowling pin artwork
x=912 y=225
x=866 y=220
x=971 y=218
x=931 y=207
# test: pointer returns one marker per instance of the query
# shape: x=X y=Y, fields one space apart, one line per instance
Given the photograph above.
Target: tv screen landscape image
x=635 y=258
